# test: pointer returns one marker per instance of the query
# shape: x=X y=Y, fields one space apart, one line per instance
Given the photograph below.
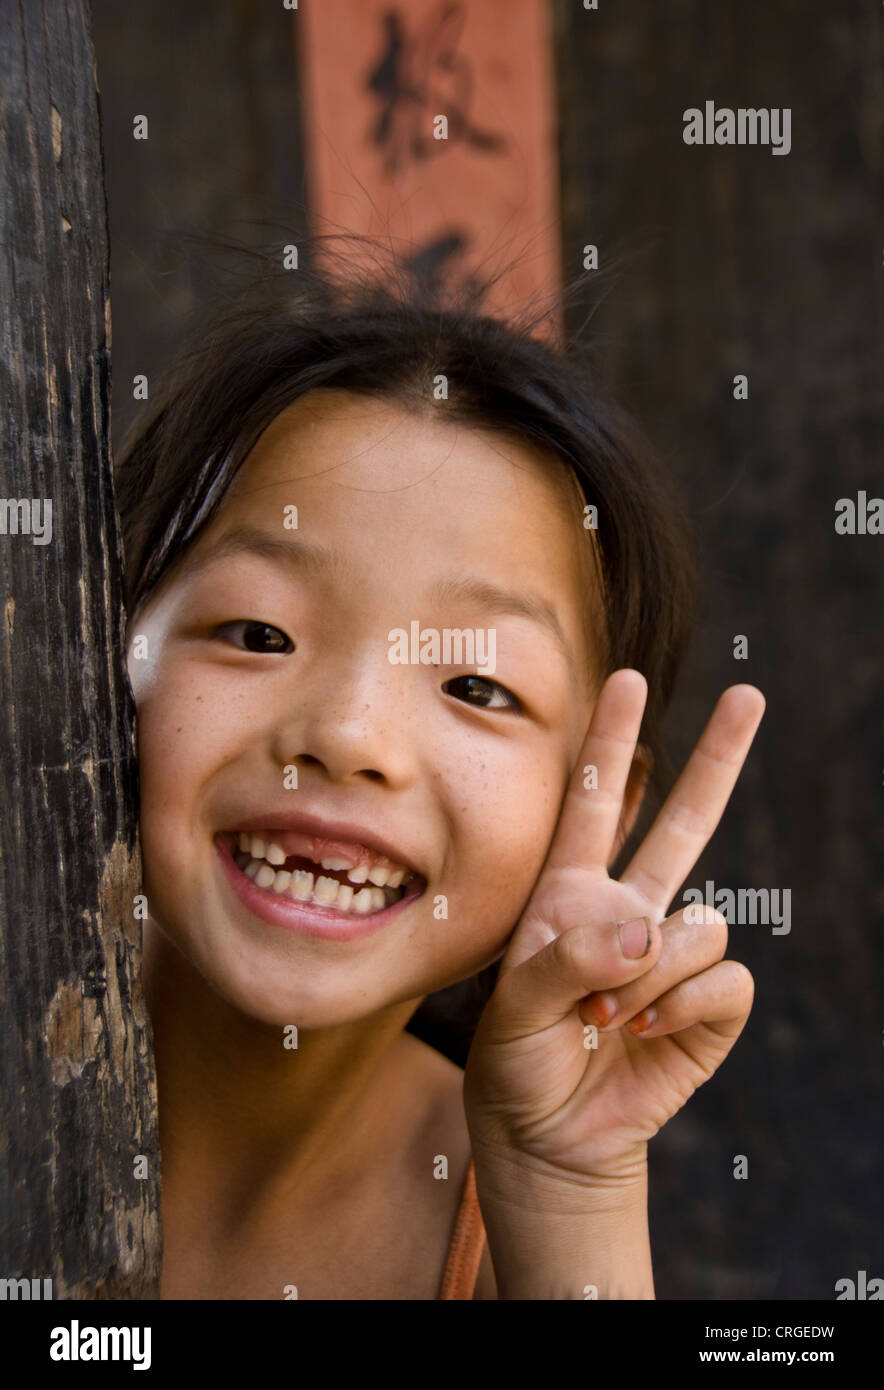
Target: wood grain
x=78 y=1099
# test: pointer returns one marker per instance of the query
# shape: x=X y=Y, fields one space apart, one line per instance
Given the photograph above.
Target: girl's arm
x=605 y=1018
x=596 y=1246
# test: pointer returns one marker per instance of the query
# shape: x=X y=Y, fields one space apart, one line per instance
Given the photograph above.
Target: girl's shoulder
x=438 y=1082
x=435 y=1089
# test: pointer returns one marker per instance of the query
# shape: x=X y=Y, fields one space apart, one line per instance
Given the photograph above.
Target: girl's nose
x=353 y=723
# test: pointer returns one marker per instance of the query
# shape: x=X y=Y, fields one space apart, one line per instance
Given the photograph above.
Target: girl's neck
x=244 y=1119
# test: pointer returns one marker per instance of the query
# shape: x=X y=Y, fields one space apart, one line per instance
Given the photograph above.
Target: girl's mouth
x=333 y=877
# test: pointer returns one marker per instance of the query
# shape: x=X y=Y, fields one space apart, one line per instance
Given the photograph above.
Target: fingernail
x=643 y=1020
x=602 y=1007
x=635 y=937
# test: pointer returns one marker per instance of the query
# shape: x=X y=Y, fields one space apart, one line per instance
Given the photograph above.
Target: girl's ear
x=642 y=766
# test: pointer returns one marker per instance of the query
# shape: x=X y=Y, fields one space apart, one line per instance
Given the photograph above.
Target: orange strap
x=467 y=1244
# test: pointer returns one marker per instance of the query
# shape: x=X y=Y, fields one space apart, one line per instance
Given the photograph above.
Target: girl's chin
x=261 y=989
x=298 y=1010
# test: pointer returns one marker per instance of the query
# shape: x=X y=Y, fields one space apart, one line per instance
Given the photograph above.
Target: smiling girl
x=330 y=836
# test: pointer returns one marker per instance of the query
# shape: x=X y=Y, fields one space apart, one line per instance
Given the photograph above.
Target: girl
x=345 y=809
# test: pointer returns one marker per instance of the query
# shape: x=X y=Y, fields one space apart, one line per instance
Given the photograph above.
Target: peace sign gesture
x=606 y=1018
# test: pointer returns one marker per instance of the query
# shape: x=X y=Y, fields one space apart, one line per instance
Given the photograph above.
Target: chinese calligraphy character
x=419 y=78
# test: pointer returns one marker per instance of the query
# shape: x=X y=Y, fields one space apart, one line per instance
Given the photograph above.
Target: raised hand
x=542 y=1085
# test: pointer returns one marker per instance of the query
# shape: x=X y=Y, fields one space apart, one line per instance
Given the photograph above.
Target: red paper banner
x=431 y=125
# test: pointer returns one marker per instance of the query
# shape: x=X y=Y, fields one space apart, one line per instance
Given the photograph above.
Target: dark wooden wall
x=736 y=260
x=728 y=260
x=222 y=158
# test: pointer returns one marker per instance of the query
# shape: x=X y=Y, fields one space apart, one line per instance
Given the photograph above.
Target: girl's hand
x=537 y=1098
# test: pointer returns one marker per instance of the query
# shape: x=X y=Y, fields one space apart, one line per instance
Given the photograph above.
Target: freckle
x=178 y=731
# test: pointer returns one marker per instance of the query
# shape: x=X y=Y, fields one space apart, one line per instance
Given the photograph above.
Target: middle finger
x=693 y=808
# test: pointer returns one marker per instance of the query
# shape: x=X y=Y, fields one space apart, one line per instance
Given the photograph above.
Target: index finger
x=590 y=814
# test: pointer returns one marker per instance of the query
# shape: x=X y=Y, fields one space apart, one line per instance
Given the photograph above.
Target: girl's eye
x=475 y=690
x=258 y=637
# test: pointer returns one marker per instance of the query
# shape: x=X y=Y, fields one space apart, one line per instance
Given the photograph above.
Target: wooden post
x=78 y=1102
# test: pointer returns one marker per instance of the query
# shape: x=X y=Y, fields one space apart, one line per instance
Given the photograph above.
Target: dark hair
x=390 y=337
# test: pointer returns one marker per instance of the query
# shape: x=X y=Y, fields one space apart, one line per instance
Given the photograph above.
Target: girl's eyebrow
x=308 y=556
x=504 y=602
x=296 y=553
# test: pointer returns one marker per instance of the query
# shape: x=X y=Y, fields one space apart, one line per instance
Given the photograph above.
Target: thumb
x=545 y=988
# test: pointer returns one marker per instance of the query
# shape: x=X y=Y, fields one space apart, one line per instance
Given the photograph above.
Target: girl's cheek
x=176 y=733
x=512 y=840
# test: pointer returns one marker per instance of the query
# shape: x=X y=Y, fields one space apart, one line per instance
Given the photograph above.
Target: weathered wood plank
x=78 y=1092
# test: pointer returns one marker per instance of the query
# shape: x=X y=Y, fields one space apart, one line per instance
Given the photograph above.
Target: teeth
x=326 y=889
x=302 y=885
x=260 y=859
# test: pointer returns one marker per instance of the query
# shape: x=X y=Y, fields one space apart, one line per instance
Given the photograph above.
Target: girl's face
x=268 y=706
